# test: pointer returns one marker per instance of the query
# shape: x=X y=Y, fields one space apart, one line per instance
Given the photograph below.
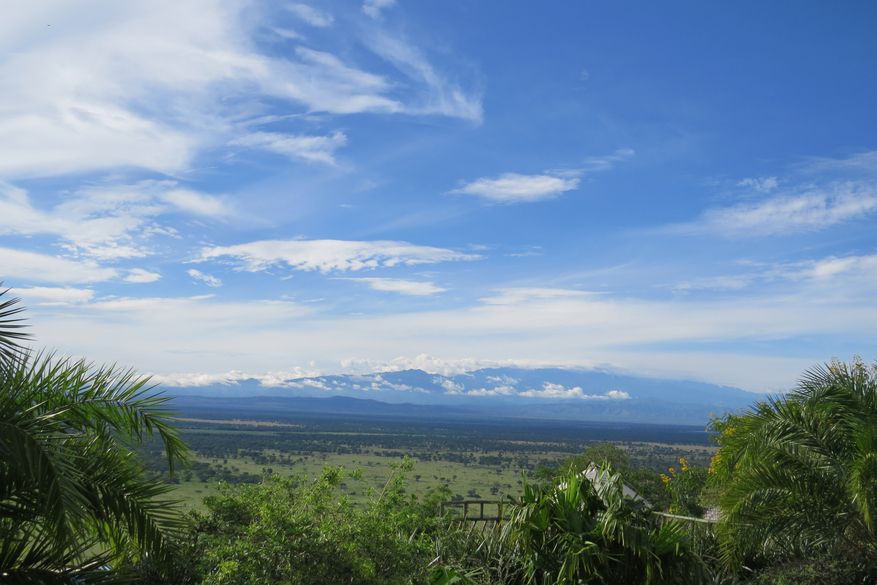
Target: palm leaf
x=10 y=326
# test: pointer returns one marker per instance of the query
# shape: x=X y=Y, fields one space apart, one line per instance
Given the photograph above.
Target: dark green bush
x=295 y=530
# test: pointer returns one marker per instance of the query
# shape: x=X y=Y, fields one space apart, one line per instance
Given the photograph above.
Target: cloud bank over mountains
x=531 y=393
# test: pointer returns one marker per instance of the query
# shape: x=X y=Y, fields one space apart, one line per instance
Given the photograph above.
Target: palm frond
x=10 y=327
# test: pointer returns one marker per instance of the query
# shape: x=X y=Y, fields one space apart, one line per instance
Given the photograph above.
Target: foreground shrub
x=73 y=496
x=836 y=569
x=295 y=530
x=574 y=531
x=800 y=472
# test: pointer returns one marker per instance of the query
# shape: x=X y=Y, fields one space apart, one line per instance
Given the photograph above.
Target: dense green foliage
x=294 y=530
x=679 y=493
x=574 y=531
x=799 y=473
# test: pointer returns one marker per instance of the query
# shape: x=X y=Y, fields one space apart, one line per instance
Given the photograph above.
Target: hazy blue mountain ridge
x=534 y=393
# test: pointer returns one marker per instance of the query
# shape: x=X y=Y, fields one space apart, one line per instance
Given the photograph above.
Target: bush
x=294 y=530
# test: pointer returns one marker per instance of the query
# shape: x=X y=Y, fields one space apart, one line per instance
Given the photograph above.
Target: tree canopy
x=800 y=471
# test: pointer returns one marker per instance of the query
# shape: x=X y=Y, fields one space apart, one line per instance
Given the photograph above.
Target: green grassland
x=472 y=460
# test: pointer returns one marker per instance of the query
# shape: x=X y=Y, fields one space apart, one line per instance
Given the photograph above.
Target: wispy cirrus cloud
x=833 y=270
x=373 y=7
x=513 y=296
x=863 y=162
x=331 y=255
x=308 y=148
x=89 y=97
x=405 y=287
x=311 y=15
x=807 y=210
x=442 y=96
x=761 y=184
x=844 y=273
x=205 y=278
x=605 y=163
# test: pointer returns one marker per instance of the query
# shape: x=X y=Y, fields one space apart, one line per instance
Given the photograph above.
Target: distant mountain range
x=499 y=392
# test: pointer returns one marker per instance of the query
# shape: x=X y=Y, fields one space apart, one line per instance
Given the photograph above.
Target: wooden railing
x=498 y=517
x=479 y=504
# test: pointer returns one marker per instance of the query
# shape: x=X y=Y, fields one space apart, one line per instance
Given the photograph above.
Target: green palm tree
x=74 y=497
x=800 y=471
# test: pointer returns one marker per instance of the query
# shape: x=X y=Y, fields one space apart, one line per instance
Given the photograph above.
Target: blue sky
x=208 y=190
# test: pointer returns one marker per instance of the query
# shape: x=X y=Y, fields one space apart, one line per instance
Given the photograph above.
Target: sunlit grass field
x=465 y=480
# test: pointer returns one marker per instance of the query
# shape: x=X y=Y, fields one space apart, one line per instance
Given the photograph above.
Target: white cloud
x=319 y=384
x=197 y=203
x=508 y=380
x=550 y=390
x=271 y=379
x=312 y=16
x=52 y=295
x=105 y=222
x=373 y=7
x=205 y=278
x=761 y=184
x=449 y=386
x=329 y=255
x=381 y=385
x=28 y=266
x=498 y=391
x=515 y=188
x=309 y=148
x=140 y=275
x=811 y=210
x=405 y=287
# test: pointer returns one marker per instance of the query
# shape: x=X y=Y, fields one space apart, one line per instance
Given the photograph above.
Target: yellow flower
x=665 y=478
